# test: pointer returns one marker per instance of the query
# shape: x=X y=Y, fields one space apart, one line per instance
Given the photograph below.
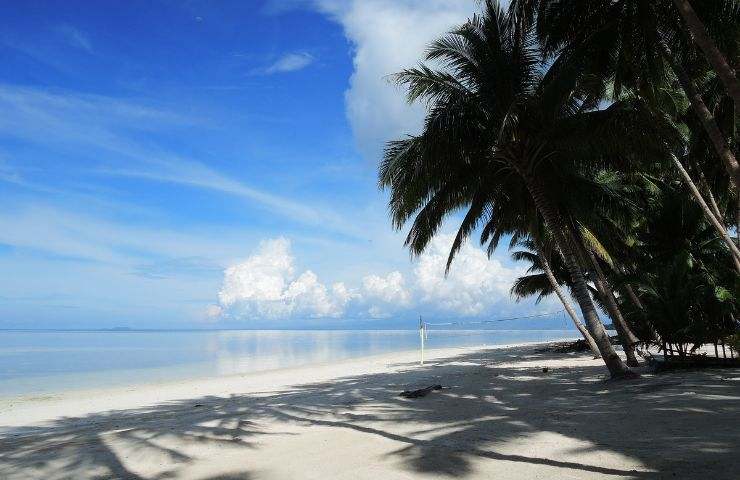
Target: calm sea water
x=38 y=362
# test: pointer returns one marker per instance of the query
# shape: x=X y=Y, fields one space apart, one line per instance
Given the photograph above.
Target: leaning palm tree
x=687 y=288
x=684 y=19
x=639 y=45
x=541 y=281
x=496 y=118
x=522 y=222
x=644 y=47
x=700 y=36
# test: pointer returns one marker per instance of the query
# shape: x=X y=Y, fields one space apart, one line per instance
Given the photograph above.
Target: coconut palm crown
x=502 y=138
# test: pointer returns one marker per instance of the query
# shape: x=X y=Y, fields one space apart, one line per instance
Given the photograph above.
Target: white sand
x=502 y=418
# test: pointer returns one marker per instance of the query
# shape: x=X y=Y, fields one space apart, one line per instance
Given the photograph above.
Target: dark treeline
x=600 y=136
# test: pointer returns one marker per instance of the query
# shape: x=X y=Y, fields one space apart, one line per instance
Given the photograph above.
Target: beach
x=500 y=416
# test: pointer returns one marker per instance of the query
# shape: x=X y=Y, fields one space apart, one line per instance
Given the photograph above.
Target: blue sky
x=179 y=164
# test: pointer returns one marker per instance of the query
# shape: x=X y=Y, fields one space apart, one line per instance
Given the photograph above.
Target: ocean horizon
x=42 y=362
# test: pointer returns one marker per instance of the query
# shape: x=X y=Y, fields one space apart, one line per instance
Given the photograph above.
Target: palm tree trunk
x=655 y=336
x=718 y=214
x=626 y=337
x=612 y=301
x=715 y=58
x=565 y=243
x=566 y=304
x=717 y=223
x=737 y=219
x=712 y=202
x=633 y=296
x=705 y=117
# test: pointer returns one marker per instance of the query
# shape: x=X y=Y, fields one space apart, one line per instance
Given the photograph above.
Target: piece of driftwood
x=422 y=392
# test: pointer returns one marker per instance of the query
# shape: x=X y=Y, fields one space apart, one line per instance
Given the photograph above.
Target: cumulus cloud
x=289 y=62
x=387 y=36
x=213 y=312
x=266 y=286
x=388 y=289
x=385 y=294
x=474 y=284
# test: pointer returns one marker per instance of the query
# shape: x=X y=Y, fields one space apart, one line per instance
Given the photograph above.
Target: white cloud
x=213 y=312
x=377 y=312
x=388 y=35
x=264 y=285
x=289 y=62
x=308 y=297
x=474 y=285
x=388 y=289
x=261 y=277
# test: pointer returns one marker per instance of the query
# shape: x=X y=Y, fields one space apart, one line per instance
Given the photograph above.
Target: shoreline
x=123 y=382
x=73 y=402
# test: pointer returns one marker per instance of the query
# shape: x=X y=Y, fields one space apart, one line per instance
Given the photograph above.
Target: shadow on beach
x=501 y=414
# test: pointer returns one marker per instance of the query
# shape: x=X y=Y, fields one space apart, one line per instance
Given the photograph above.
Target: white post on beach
x=421 y=336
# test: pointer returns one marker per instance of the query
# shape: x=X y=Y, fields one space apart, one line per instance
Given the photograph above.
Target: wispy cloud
x=188 y=172
x=75 y=37
x=8 y=173
x=63 y=233
x=290 y=62
x=104 y=125
x=185 y=266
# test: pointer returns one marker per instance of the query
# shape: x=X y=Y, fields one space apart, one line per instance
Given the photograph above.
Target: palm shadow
x=675 y=425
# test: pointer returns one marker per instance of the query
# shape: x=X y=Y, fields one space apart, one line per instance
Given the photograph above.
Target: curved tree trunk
x=716 y=222
x=633 y=296
x=564 y=241
x=566 y=304
x=705 y=117
x=636 y=301
x=626 y=336
x=715 y=58
x=712 y=201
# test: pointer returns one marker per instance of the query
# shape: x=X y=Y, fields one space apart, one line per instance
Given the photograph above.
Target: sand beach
x=502 y=416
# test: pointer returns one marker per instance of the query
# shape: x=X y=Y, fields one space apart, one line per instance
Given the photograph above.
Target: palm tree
x=687 y=290
x=626 y=337
x=629 y=43
x=496 y=118
x=541 y=281
x=641 y=46
x=585 y=187
x=699 y=35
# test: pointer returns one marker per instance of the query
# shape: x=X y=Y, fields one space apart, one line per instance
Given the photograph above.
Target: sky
x=212 y=164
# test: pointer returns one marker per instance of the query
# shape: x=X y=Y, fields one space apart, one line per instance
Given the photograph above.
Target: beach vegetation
x=599 y=136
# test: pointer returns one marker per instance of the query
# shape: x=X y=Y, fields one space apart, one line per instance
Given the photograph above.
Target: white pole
x=421 y=336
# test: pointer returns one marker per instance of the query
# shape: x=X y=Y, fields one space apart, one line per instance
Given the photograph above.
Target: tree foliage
x=557 y=123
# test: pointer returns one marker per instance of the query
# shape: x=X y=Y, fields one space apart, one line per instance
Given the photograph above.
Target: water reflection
x=39 y=362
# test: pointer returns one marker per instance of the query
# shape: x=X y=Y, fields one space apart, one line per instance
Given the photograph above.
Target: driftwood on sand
x=422 y=392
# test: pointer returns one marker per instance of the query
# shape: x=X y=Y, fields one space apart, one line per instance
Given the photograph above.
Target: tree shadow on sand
x=669 y=426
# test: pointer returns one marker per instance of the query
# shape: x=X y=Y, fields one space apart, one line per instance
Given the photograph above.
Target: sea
x=46 y=362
